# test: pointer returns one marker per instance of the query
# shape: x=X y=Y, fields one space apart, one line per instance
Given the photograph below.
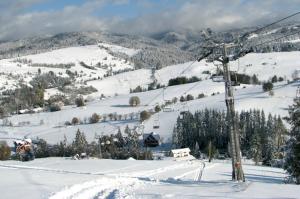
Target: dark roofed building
x=151 y=139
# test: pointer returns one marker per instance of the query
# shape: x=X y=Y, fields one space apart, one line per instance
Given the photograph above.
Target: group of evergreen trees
x=183 y=80
x=261 y=138
x=114 y=146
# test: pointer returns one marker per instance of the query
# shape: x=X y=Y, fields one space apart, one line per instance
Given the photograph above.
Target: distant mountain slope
x=84 y=62
x=161 y=49
x=152 y=52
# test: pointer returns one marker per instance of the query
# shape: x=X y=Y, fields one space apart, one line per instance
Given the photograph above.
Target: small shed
x=177 y=153
x=151 y=139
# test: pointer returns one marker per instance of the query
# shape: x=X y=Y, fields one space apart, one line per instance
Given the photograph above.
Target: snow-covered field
x=53 y=130
x=65 y=178
x=15 y=69
x=62 y=178
x=264 y=66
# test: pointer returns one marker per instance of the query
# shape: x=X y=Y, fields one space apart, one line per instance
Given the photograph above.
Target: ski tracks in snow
x=197 y=173
x=118 y=188
x=123 y=185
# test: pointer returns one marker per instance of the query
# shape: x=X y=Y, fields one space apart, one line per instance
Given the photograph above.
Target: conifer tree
x=256 y=148
x=79 y=144
x=269 y=145
x=280 y=134
x=293 y=147
x=119 y=136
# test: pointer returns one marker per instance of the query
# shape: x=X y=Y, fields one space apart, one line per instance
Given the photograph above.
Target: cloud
x=215 y=14
x=17 y=21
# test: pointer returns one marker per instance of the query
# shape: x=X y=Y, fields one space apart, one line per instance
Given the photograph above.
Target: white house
x=177 y=153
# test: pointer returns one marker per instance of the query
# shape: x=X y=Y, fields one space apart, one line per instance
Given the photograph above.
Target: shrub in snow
x=296 y=75
x=55 y=106
x=189 y=97
x=254 y=79
x=182 y=99
x=201 y=95
x=268 y=86
x=2 y=112
x=145 y=115
x=138 y=89
x=4 y=151
x=94 y=118
x=75 y=121
x=67 y=123
x=134 y=101
x=79 y=101
x=59 y=98
x=274 y=79
x=157 y=108
x=49 y=80
x=174 y=100
x=280 y=79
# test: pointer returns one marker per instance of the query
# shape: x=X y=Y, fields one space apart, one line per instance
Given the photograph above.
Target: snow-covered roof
x=154 y=135
x=187 y=150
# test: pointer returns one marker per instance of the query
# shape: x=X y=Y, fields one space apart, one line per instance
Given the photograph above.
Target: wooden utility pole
x=98 y=138
x=237 y=170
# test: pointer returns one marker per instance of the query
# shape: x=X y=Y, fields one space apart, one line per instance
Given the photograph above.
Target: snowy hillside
x=104 y=68
x=50 y=126
x=89 y=62
x=263 y=65
x=59 y=178
x=129 y=99
x=53 y=130
x=92 y=63
x=266 y=65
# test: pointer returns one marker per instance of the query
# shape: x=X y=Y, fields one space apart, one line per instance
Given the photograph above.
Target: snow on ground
x=58 y=178
x=120 y=49
x=245 y=99
x=62 y=178
x=264 y=65
x=50 y=126
x=50 y=92
x=121 y=83
x=12 y=71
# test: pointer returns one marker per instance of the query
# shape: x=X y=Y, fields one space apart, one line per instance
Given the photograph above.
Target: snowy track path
x=113 y=183
x=122 y=185
x=107 y=172
x=58 y=178
x=47 y=169
x=102 y=188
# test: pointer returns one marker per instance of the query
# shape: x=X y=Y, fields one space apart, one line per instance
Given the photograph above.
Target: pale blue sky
x=24 y=18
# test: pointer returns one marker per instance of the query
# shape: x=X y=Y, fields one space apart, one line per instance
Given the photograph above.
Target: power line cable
x=270 y=41
x=269 y=25
x=185 y=92
x=187 y=68
x=182 y=72
x=241 y=53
